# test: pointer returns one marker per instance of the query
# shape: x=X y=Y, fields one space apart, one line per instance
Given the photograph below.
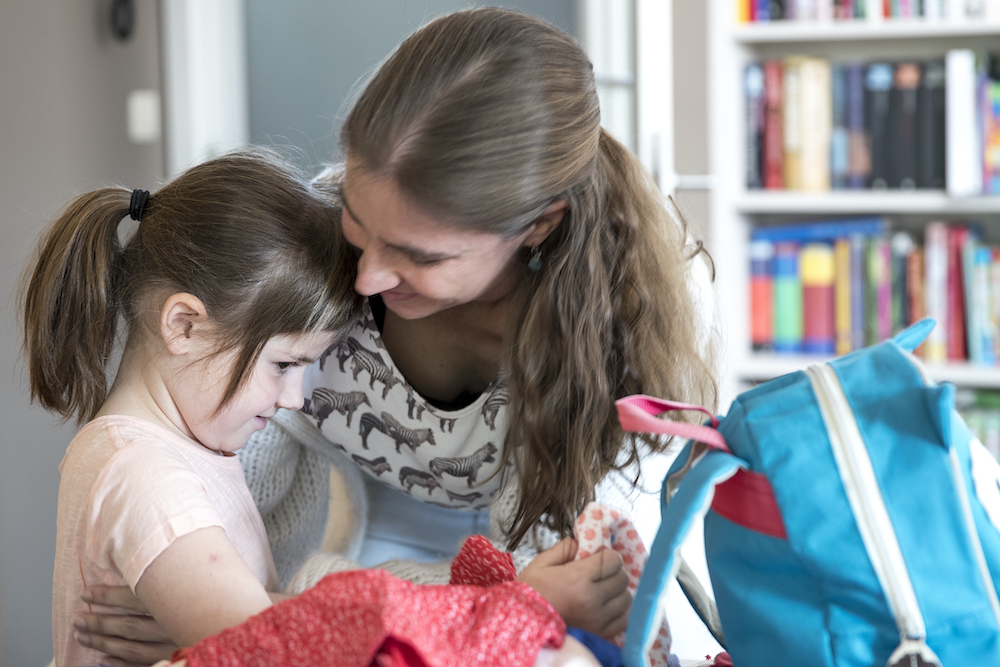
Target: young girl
x=234 y=280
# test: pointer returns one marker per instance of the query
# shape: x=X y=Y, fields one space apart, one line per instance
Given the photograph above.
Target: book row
x=980 y=409
x=752 y=11
x=833 y=287
x=816 y=125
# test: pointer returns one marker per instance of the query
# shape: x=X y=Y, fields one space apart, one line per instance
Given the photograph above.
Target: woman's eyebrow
x=416 y=254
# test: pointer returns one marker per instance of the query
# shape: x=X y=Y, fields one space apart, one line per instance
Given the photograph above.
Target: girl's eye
x=285 y=365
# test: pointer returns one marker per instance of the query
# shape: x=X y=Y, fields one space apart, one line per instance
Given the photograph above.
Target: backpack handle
x=639 y=413
x=688 y=507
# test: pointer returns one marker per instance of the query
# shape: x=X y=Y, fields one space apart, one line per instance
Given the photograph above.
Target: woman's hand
x=130 y=639
x=590 y=594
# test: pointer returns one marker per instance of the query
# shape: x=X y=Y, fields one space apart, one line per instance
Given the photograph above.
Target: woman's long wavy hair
x=488 y=116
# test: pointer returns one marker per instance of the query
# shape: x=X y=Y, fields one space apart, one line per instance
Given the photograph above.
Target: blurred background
x=99 y=92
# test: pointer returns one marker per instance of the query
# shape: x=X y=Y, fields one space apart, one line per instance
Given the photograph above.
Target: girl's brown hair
x=487 y=117
x=244 y=232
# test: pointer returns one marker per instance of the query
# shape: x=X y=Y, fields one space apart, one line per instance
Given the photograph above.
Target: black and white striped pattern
x=324 y=401
x=465 y=466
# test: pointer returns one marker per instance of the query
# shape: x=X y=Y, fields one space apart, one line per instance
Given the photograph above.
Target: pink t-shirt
x=129 y=488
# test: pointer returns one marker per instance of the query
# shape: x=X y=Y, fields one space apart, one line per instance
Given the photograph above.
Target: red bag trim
x=747 y=499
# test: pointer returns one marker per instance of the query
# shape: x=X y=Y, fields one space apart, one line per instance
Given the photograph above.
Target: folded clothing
x=348 y=617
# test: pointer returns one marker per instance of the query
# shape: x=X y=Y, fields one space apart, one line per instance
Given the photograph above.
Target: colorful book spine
x=859 y=163
x=986 y=333
x=878 y=85
x=879 y=275
x=974 y=316
x=787 y=298
x=962 y=144
x=761 y=295
x=902 y=247
x=816 y=268
x=903 y=149
x=931 y=126
x=753 y=84
x=774 y=143
x=859 y=291
x=936 y=290
x=955 y=335
x=991 y=138
x=791 y=122
x=842 y=295
x=915 y=276
x=839 y=154
x=815 y=124
x=826 y=230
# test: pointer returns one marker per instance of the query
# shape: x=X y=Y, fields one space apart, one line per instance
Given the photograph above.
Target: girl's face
x=275 y=382
x=419 y=264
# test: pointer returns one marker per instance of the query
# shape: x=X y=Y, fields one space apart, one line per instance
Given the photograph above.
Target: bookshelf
x=736 y=210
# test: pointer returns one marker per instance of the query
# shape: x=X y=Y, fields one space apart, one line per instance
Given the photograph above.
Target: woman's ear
x=546 y=223
x=182 y=316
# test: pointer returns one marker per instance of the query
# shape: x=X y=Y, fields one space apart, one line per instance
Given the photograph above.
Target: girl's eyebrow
x=415 y=254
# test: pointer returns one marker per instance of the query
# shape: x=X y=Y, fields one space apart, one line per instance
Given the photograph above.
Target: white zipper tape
x=866 y=501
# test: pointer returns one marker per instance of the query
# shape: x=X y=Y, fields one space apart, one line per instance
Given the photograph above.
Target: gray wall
x=63 y=88
x=305 y=58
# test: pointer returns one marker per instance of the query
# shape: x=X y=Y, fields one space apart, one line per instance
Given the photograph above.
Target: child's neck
x=139 y=390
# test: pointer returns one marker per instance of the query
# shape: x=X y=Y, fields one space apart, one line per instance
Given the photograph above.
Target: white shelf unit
x=735 y=209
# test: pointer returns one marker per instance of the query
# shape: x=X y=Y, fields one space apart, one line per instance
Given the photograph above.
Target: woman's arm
x=133 y=636
x=199 y=586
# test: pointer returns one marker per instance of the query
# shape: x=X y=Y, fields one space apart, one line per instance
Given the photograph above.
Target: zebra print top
x=362 y=404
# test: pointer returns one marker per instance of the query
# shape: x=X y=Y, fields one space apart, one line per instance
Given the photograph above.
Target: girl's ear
x=182 y=316
x=546 y=223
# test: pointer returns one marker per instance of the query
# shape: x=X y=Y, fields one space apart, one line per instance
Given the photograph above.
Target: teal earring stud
x=535 y=263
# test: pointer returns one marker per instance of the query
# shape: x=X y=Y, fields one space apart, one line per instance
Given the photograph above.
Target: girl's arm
x=199 y=586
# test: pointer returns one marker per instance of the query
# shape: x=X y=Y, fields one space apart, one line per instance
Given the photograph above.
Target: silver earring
x=535 y=263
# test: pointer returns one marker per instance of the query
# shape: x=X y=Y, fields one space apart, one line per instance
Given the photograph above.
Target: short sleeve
x=145 y=498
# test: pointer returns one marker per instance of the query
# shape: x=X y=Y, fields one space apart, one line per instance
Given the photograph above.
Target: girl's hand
x=590 y=594
x=130 y=639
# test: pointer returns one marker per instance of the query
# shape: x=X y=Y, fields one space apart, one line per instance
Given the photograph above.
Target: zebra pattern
x=409 y=478
x=411 y=437
x=465 y=466
x=370 y=422
x=325 y=401
x=494 y=402
x=363 y=359
x=463 y=497
x=374 y=466
x=412 y=404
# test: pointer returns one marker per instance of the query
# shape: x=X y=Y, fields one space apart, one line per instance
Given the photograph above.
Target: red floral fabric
x=348 y=617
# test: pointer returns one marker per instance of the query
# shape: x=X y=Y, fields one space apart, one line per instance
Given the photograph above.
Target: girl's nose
x=291 y=394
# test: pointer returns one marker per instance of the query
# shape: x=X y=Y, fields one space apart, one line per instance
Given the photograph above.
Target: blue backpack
x=850 y=518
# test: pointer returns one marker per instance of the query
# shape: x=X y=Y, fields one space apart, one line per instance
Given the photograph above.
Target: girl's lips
x=261 y=422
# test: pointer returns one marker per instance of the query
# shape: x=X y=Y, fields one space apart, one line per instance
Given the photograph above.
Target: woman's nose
x=375 y=275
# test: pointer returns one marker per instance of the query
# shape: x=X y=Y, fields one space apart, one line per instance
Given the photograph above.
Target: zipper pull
x=913 y=652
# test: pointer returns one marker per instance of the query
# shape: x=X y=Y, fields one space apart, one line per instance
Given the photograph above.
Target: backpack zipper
x=870 y=512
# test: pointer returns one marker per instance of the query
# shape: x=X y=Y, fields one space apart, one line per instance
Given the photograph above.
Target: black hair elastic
x=138 y=203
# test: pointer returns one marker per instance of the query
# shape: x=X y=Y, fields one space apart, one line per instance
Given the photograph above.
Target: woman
x=523 y=272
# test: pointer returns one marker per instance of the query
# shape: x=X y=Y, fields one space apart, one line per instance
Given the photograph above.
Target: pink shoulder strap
x=639 y=413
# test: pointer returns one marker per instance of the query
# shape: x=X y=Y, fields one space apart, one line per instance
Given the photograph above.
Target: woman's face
x=419 y=264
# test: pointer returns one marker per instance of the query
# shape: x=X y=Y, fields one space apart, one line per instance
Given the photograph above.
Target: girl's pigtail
x=71 y=305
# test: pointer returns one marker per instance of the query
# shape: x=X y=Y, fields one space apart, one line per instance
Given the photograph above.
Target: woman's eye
x=285 y=365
